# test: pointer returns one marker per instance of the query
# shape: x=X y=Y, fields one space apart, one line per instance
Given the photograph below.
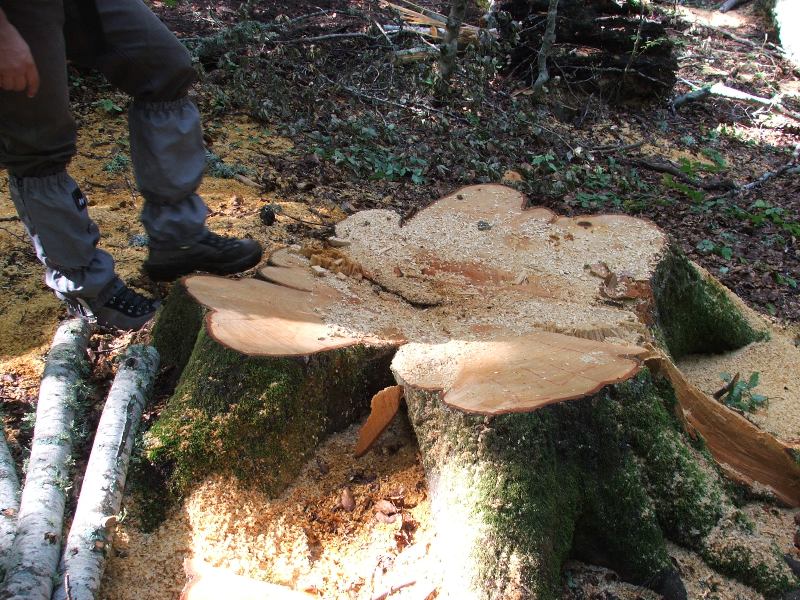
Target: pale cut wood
x=211 y=583
x=263 y=319
x=9 y=499
x=288 y=270
x=746 y=453
x=91 y=534
x=385 y=405
x=34 y=555
x=516 y=374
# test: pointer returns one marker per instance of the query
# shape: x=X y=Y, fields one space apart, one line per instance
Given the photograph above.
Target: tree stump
x=534 y=355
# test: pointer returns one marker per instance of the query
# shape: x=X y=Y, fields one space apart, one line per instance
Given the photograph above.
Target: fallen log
x=9 y=501
x=543 y=431
x=33 y=559
x=91 y=534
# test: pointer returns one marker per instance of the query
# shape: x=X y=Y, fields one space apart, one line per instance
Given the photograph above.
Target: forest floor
x=330 y=127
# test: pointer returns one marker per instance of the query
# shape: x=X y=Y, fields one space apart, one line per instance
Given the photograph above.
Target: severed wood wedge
x=211 y=583
x=744 y=452
x=385 y=405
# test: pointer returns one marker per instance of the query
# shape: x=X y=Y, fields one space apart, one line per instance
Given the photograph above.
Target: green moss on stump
x=259 y=418
x=604 y=478
x=176 y=327
x=694 y=313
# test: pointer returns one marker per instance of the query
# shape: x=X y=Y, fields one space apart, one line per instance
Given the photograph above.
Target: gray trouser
x=126 y=42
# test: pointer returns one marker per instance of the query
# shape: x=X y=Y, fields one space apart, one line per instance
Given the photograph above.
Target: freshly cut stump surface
x=534 y=352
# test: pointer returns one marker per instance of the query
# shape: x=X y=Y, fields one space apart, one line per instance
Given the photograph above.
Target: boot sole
x=172 y=272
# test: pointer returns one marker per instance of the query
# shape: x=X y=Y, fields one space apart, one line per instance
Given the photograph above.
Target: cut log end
x=516 y=374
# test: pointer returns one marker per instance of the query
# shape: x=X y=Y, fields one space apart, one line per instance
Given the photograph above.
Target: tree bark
x=34 y=556
x=91 y=535
x=9 y=501
x=547 y=44
x=449 y=48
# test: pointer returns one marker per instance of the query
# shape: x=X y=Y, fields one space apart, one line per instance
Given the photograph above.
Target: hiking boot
x=125 y=309
x=212 y=253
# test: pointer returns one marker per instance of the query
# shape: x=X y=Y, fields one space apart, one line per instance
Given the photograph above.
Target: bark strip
x=90 y=537
x=34 y=554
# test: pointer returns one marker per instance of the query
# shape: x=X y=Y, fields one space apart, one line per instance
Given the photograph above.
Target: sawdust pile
x=305 y=539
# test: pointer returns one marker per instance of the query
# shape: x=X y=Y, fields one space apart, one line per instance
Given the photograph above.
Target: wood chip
x=347 y=501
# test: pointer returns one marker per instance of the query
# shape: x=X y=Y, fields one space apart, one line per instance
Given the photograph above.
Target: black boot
x=124 y=309
x=212 y=253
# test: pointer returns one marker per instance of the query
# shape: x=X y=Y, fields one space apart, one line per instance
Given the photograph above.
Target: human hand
x=18 y=71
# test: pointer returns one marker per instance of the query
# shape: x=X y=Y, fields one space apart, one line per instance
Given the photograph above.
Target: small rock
x=319 y=271
x=341 y=276
x=347 y=501
x=305 y=186
x=338 y=242
x=484 y=226
x=267 y=215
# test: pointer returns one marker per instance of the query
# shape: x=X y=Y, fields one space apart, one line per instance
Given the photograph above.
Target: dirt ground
x=305 y=539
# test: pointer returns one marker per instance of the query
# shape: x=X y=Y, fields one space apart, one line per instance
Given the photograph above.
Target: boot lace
x=131 y=303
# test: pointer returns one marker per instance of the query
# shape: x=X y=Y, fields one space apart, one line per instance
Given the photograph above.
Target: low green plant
x=108 y=106
x=216 y=167
x=740 y=395
x=118 y=163
x=708 y=247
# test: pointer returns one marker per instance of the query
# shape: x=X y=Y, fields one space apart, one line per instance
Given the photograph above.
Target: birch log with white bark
x=90 y=537
x=34 y=555
x=9 y=500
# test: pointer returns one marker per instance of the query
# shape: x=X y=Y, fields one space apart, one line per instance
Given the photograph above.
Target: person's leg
x=37 y=141
x=143 y=58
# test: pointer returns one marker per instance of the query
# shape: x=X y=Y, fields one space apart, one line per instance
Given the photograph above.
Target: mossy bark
x=605 y=479
x=258 y=418
x=694 y=313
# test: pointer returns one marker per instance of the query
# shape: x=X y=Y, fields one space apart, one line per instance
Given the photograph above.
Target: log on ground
x=521 y=339
x=91 y=534
x=33 y=559
x=9 y=501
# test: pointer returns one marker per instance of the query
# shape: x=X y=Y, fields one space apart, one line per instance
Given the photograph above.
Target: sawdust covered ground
x=304 y=539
